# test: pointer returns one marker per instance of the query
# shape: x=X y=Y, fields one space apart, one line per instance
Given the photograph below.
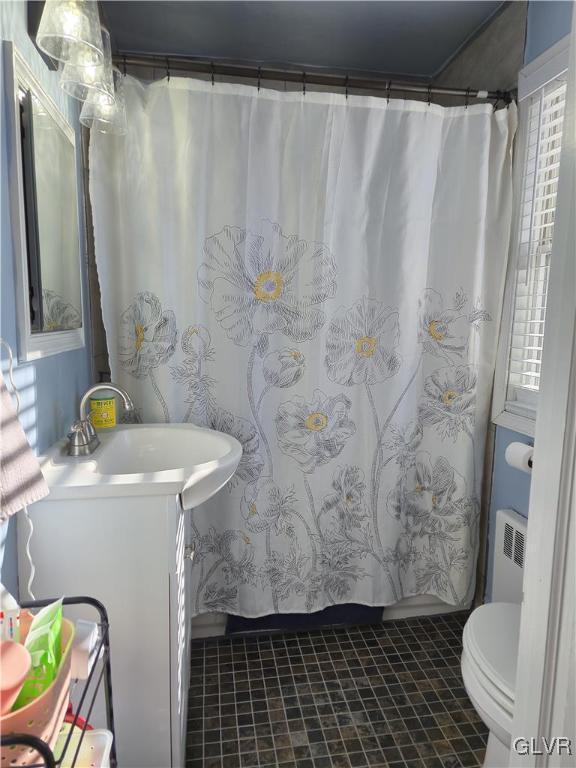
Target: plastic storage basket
x=94 y=750
x=44 y=716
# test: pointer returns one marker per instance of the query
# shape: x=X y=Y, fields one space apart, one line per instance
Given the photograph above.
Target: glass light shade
x=69 y=31
x=97 y=114
x=82 y=82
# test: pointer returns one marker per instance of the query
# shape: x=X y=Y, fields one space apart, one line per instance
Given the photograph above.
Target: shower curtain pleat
x=320 y=277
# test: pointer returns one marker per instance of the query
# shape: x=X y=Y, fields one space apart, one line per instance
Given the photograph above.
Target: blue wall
x=50 y=388
x=510 y=490
x=548 y=22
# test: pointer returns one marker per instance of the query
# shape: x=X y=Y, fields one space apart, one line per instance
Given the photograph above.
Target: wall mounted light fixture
x=85 y=81
x=99 y=115
x=69 y=31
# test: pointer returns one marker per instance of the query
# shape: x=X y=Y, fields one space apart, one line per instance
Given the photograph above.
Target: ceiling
x=396 y=37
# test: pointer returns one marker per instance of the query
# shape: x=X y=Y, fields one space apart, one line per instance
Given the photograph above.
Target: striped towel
x=21 y=479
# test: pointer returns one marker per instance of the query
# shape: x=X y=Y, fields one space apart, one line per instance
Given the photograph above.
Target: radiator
x=509 y=551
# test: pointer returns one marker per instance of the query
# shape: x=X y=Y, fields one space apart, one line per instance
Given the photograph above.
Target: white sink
x=146 y=459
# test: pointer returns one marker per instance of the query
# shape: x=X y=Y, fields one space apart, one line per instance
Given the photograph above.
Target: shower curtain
x=320 y=277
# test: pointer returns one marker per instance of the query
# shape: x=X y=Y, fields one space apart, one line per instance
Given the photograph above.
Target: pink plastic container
x=15 y=663
x=44 y=716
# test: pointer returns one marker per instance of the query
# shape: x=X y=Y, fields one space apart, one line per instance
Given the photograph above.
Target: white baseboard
x=424 y=605
x=209 y=625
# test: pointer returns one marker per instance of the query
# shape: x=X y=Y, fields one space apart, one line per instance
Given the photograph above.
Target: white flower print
x=264 y=506
x=196 y=342
x=338 y=569
x=218 y=597
x=147 y=335
x=287 y=573
x=314 y=432
x=251 y=463
x=405 y=552
x=426 y=491
x=404 y=441
x=234 y=552
x=283 y=368
x=426 y=500
x=442 y=332
x=238 y=565
x=57 y=313
x=347 y=497
x=449 y=400
x=147 y=339
x=361 y=344
x=262 y=283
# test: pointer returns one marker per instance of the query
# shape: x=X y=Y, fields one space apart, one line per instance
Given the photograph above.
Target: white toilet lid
x=491 y=636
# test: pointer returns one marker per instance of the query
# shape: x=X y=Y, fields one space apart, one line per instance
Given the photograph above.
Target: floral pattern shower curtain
x=322 y=279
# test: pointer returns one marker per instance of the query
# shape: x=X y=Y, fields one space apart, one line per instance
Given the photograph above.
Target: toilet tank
x=509 y=550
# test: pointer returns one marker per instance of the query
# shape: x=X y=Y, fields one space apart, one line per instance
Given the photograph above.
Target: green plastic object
x=44 y=643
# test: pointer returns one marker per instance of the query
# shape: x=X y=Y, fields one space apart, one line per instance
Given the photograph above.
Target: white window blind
x=544 y=114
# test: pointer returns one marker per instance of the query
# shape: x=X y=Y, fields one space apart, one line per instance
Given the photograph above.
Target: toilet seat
x=497 y=698
x=490 y=641
x=489 y=656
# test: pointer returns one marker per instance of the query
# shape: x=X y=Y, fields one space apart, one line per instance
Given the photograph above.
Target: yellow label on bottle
x=103 y=412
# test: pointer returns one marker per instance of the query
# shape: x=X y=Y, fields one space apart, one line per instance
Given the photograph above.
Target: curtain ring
x=212 y=68
x=429 y=94
x=346 y=87
x=167 y=69
x=467 y=101
x=388 y=87
x=303 y=83
x=259 y=77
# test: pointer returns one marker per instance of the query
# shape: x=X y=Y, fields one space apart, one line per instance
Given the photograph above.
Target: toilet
x=489 y=656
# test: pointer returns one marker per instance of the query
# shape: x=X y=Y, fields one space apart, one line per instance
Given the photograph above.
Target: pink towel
x=21 y=479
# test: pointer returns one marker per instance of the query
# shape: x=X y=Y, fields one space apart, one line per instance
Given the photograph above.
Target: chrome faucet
x=128 y=404
x=82 y=438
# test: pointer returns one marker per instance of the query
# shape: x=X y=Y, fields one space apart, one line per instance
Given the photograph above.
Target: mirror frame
x=32 y=346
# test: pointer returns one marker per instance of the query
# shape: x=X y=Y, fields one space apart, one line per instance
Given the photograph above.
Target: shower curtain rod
x=386 y=85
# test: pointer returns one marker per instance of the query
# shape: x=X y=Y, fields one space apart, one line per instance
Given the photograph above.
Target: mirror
x=49 y=166
x=45 y=217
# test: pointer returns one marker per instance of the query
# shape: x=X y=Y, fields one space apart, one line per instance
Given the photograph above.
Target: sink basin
x=146 y=459
x=147 y=449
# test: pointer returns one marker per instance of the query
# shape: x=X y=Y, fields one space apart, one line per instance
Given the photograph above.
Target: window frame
x=515 y=414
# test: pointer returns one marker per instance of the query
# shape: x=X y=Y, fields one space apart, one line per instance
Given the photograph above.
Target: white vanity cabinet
x=130 y=553
x=116 y=526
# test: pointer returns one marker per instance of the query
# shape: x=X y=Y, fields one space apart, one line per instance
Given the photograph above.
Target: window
x=536 y=228
x=538 y=155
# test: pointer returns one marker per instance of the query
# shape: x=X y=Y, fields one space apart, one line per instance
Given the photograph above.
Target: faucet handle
x=82 y=438
x=77 y=430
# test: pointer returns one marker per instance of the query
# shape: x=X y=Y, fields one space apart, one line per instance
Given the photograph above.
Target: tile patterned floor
x=381 y=695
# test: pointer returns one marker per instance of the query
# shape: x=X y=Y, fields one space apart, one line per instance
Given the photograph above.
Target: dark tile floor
x=381 y=695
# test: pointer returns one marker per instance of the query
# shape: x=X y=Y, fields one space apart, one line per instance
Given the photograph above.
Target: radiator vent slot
x=514 y=544
x=509 y=556
x=508 y=540
x=519 y=549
